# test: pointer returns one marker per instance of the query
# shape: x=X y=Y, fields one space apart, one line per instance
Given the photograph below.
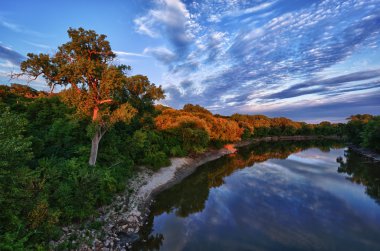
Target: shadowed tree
x=15 y=148
x=96 y=87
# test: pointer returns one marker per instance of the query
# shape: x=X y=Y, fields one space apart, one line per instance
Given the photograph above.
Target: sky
x=308 y=60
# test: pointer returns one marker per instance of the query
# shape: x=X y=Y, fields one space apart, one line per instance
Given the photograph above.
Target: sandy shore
x=123 y=218
x=140 y=201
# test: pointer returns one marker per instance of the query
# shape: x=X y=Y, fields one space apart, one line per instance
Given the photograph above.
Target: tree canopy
x=96 y=86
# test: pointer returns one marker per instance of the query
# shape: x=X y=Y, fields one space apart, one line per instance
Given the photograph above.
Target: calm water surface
x=271 y=196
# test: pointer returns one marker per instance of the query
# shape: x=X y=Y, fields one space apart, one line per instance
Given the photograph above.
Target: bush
x=371 y=134
x=156 y=160
x=177 y=151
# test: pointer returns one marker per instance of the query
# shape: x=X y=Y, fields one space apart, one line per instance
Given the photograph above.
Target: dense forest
x=63 y=154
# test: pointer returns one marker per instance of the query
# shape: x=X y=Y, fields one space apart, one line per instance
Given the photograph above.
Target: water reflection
x=191 y=195
x=271 y=196
x=362 y=171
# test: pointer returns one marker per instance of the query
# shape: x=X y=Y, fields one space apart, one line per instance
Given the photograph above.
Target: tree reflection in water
x=361 y=171
x=191 y=194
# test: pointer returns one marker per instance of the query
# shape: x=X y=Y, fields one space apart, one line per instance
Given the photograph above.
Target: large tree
x=96 y=86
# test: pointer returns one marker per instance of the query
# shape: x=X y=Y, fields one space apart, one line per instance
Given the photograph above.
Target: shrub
x=371 y=134
x=156 y=160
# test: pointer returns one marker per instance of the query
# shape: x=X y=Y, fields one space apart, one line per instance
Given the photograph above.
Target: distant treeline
x=222 y=129
x=46 y=181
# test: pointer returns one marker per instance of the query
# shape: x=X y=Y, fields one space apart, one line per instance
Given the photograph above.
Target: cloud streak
x=324 y=85
x=10 y=55
x=239 y=54
x=169 y=18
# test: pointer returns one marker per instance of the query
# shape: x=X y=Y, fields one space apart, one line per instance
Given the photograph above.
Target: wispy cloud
x=171 y=19
x=324 y=86
x=336 y=110
x=162 y=54
x=20 y=28
x=279 y=52
x=129 y=54
x=10 y=55
x=11 y=26
x=251 y=10
x=39 y=45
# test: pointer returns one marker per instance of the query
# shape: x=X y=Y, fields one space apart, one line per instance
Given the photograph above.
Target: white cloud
x=129 y=54
x=8 y=64
x=172 y=13
x=251 y=10
x=11 y=26
x=240 y=63
x=162 y=54
x=19 y=28
x=144 y=25
x=169 y=19
x=39 y=45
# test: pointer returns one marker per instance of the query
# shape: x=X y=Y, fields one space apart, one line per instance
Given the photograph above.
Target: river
x=271 y=196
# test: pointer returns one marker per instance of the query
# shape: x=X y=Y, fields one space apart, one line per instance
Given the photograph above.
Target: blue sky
x=304 y=59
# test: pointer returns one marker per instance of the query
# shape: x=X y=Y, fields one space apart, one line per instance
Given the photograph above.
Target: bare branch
x=105 y=101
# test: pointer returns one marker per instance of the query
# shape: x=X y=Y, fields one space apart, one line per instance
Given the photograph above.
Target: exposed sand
x=127 y=214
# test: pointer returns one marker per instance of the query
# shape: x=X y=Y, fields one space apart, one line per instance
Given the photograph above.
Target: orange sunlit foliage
x=230 y=148
x=238 y=126
x=218 y=128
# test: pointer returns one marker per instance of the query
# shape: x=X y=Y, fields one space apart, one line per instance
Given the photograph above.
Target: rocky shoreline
x=366 y=152
x=122 y=219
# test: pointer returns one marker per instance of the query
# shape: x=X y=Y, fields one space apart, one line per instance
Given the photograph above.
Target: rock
x=65 y=229
x=107 y=243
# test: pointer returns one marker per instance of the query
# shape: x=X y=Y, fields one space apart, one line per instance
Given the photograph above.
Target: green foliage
x=15 y=148
x=196 y=108
x=189 y=138
x=156 y=159
x=371 y=134
x=34 y=202
x=75 y=189
x=98 y=89
x=150 y=149
x=364 y=130
x=355 y=126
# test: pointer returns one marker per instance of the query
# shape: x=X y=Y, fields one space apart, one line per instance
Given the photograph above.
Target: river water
x=271 y=196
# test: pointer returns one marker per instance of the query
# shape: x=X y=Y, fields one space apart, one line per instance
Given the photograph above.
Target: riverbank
x=129 y=223
x=366 y=152
x=122 y=219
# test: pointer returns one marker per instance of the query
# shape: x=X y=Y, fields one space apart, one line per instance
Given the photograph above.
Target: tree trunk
x=94 y=147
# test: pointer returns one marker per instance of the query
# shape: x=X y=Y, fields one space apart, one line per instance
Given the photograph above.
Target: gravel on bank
x=366 y=152
x=123 y=218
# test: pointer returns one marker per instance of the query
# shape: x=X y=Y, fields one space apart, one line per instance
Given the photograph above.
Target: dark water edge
x=271 y=196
